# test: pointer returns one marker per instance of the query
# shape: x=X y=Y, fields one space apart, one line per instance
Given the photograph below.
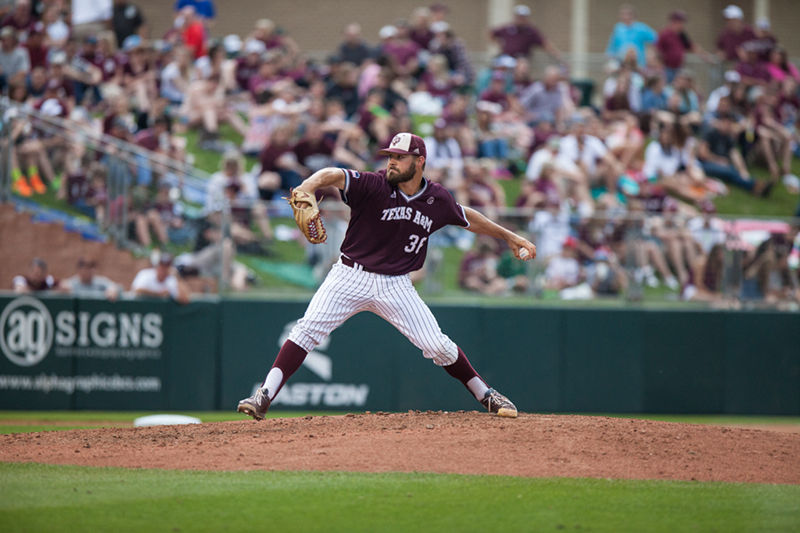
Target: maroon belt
x=352 y=264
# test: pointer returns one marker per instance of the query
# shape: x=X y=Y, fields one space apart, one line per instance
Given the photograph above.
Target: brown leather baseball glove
x=306 y=215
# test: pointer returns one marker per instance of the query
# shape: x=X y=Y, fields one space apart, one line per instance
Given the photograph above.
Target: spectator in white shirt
x=15 y=62
x=670 y=161
x=732 y=80
x=161 y=281
x=445 y=163
x=232 y=184
x=564 y=270
x=568 y=175
x=591 y=155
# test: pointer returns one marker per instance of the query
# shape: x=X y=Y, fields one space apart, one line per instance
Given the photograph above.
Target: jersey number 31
x=414 y=244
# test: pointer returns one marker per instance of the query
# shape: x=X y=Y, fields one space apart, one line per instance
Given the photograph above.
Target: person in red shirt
x=194 y=32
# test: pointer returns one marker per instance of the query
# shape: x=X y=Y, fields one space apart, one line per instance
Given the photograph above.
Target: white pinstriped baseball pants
x=349 y=290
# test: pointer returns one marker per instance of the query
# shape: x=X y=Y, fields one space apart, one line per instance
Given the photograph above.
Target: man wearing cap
x=393 y=213
x=732 y=80
x=160 y=281
x=734 y=34
x=673 y=43
x=519 y=38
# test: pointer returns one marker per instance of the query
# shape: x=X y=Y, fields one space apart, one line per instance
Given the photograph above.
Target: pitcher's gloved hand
x=306 y=215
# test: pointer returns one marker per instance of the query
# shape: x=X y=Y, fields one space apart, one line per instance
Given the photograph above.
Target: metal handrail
x=100 y=141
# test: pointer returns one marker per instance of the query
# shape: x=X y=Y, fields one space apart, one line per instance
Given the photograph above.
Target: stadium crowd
x=617 y=192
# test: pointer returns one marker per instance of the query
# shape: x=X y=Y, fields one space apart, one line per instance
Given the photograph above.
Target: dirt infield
x=461 y=442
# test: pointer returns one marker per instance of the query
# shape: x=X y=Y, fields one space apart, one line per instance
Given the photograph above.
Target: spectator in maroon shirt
x=54 y=103
x=280 y=169
x=37 y=49
x=249 y=63
x=764 y=41
x=266 y=77
x=315 y=150
x=439 y=81
x=520 y=38
x=673 y=43
x=734 y=34
x=105 y=59
x=401 y=51
x=21 y=18
x=420 y=29
x=155 y=139
x=496 y=92
x=478 y=269
x=752 y=71
x=273 y=38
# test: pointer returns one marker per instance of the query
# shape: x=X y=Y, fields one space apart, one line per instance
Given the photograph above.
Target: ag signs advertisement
x=57 y=352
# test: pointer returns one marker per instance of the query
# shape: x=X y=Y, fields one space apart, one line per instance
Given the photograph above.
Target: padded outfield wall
x=64 y=353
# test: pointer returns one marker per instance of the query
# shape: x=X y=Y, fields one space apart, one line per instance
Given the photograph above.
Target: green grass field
x=37 y=497
x=64 y=498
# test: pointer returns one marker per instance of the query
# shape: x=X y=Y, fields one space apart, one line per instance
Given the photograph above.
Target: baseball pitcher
x=393 y=214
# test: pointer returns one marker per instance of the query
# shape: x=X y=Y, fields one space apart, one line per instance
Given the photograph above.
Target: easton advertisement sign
x=323 y=393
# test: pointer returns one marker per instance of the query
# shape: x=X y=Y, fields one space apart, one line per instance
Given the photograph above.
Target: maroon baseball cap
x=405 y=143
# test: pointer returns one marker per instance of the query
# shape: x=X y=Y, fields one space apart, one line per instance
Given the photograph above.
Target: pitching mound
x=462 y=442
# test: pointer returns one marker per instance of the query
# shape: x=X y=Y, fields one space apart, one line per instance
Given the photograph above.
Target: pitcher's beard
x=396 y=177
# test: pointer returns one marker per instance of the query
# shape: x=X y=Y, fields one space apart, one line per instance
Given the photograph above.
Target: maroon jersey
x=518 y=39
x=389 y=231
